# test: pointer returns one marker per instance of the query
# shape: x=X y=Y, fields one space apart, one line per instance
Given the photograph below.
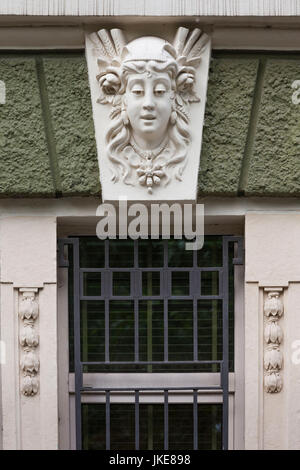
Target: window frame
x=236 y=379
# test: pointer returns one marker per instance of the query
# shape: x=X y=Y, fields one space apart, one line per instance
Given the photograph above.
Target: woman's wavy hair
x=119 y=133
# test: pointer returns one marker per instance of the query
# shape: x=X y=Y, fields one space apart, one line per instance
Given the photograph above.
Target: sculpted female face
x=148 y=100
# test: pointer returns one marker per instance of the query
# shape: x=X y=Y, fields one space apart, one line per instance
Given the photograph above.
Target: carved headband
x=112 y=52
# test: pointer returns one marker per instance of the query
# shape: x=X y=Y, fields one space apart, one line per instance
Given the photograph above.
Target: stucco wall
x=250 y=138
x=46 y=133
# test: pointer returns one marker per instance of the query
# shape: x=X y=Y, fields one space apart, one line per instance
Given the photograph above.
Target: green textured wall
x=24 y=163
x=47 y=142
x=275 y=161
x=228 y=109
x=251 y=136
x=251 y=140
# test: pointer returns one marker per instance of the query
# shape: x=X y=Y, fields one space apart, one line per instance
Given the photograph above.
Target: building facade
x=129 y=344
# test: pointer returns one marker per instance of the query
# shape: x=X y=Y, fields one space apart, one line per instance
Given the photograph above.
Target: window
x=153 y=330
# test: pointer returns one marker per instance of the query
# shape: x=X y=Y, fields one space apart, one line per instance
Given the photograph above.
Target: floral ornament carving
x=29 y=341
x=150 y=175
x=149 y=84
x=30 y=386
x=30 y=364
x=273 y=335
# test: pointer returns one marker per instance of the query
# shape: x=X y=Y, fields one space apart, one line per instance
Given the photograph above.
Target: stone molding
x=273 y=336
x=29 y=340
x=150 y=8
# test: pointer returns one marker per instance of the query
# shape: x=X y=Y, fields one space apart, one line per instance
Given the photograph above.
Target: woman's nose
x=148 y=103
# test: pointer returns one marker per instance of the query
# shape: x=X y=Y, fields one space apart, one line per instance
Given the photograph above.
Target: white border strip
x=150 y=7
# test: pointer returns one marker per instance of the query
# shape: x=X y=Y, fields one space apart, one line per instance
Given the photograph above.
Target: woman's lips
x=148 y=117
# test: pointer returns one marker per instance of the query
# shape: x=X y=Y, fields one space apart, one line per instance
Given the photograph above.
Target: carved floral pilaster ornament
x=148 y=99
x=29 y=340
x=273 y=336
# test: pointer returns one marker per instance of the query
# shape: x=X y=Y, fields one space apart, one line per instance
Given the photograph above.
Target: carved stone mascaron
x=148 y=139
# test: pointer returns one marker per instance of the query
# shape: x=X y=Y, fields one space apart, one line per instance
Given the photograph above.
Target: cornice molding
x=225 y=8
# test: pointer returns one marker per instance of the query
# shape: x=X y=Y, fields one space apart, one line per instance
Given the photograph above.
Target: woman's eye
x=160 y=90
x=137 y=91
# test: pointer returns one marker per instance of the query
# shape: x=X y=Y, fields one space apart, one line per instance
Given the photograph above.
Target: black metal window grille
x=167 y=283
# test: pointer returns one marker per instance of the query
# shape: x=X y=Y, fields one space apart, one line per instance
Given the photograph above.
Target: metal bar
x=134 y=279
x=239 y=259
x=106 y=332
x=81 y=290
x=166 y=342
x=99 y=363
x=136 y=253
x=149 y=335
x=195 y=418
x=225 y=365
x=195 y=259
x=150 y=427
x=217 y=269
x=154 y=297
x=144 y=389
x=194 y=287
x=166 y=256
x=166 y=292
x=62 y=262
x=77 y=346
x=214 y=313
x=195 y=329
x=107 y=293
x=91 y=270
x=137 y=421
x=106 y=254
x=92 y=297
x=174 y=268
x=190 y=297
x=220 y=286
x=136 y=330
x=166 y=420
x=99 y=270
x=107 y=419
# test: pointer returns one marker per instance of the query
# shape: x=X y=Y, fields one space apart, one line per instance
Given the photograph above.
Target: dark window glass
x=178 y=256
x=92 y=284
x=150 y=283
x=180 y=283
x=122 y=426
x=163 y=332
x=210 y=331
x=180 y=330
x=121 y=330
x=180 y=314
x=212 y=252
x=209 y=283
x=151 y=253
x=121 y=283
x=151 y=331
x=92 y=327
x=121 y=254
x=91 y=252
